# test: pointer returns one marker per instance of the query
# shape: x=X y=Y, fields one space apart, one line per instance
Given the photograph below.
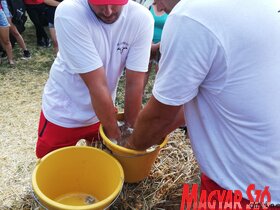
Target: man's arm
x=102 y=101
x=155 y=47
x=154 y=122
x=53 y=3
x=134 y=88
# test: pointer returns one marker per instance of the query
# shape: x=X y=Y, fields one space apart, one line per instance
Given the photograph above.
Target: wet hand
x=113 y=133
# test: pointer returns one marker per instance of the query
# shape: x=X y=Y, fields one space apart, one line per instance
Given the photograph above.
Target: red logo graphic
x=224 y=199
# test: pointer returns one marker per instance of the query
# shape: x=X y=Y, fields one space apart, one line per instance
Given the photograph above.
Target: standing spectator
x=14 y=31
x=160 y=18
x=5 y=36
x=36 y=11
x=52 y=4
x=220 y=62
x=97 y=39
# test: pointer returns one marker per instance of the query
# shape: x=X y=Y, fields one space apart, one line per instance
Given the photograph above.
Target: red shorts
x=52 y=136
x=209 y=186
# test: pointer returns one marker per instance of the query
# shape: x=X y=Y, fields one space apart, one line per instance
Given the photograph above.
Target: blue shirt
x=159 y=23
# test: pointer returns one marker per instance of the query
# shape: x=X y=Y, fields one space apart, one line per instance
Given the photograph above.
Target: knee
x=15 y=33
x=6 y=43
x=5 y=39
x=55 y=45
x=41 y=150
x=40 y=154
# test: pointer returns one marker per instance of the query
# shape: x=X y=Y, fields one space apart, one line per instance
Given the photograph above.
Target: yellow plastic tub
x=136 y=164
x=77 y=178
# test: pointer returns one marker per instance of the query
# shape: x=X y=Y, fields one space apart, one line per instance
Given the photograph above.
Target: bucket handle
x=37 y=200
x=116 y=198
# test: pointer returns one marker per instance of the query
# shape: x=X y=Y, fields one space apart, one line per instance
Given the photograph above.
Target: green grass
x=147 y=93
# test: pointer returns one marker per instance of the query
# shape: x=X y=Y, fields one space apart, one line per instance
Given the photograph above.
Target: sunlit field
x=20 y=99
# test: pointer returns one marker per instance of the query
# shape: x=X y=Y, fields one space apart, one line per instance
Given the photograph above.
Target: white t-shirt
x=85 y=44
x=221 y=60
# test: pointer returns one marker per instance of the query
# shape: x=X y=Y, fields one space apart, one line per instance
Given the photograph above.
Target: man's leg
x=52 y=136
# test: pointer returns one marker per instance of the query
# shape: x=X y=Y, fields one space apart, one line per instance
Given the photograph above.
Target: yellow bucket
x=77 y=178
x=136 y=164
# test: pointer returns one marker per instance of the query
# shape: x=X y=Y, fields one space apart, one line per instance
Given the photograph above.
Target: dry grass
x=20 y=99
x=20 y=105
x=175 y=166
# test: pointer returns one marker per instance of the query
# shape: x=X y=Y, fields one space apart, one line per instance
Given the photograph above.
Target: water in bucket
x=76 y=199
x=66 y=179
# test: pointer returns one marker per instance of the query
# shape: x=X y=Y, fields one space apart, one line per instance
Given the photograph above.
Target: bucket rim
x=107 y=141
x=58 y=205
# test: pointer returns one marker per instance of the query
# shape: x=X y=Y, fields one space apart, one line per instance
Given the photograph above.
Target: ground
x=20 y=99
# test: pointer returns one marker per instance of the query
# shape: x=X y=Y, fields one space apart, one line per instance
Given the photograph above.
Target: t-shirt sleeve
x=187 y=52
x=139 y=53
x=76 y=46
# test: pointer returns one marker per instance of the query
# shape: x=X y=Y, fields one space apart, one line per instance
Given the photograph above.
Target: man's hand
x=154 y=122
x=129 y=144
x=154 y=49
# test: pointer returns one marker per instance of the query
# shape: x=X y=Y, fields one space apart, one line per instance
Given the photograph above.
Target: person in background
x=52 y=4
x=97 y=39
x=14 y=31
x=36 y=12
x=4 y=36
x=220 y=66
x=159 y=18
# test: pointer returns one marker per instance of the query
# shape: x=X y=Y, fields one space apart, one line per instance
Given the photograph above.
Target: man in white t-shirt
x=220 y=61
x=97 y=39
